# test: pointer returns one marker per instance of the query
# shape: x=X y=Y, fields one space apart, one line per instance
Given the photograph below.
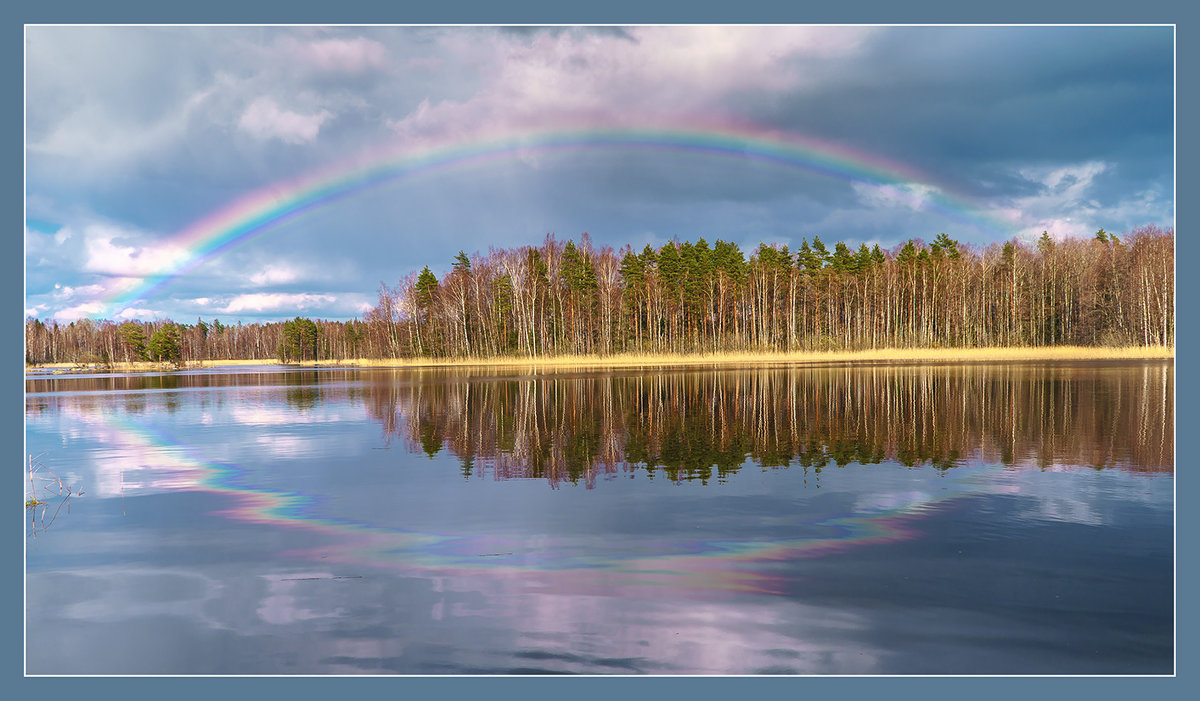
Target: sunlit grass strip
x=138 y=366
x=921 y=355
x=924 y=355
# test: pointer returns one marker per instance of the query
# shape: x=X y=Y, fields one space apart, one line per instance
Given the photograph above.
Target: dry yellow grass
x=96 y=367
x=922 y=355
x=147 y=366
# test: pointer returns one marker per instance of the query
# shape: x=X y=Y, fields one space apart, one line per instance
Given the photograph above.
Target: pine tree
x=133 y=341
x=164 y=344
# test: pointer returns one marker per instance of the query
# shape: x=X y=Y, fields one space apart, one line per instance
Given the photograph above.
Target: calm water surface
x=962 y=519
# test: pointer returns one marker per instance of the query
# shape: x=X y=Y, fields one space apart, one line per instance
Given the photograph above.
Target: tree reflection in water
x=707 y=424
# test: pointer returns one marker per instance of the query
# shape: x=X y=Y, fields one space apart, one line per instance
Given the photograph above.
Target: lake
x=880 y=519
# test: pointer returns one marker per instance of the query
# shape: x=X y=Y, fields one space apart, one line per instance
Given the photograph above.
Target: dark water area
x=889 y=519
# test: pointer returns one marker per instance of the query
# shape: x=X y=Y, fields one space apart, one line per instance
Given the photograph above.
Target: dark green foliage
x=944 y=246
x=462 y=264
x=808 y=260
x=1008 y=254
x=164 y=344
x=427 y=287
x=670 y=267
x=504 y=301
x=649 y=257
x=579 y=274
x=728 y=260
x=133 y=341
x=820 y=251
x=633 y=270
x=1045 y=243
x=843 y=260
x=877 y=255
x=299 y=341
x=354 y=336
x=864 y=260
x=698 y=270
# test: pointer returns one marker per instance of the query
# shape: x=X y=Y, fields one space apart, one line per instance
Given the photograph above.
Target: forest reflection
x=704 y=424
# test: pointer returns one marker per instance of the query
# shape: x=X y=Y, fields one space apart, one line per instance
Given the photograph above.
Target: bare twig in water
x=39 y=473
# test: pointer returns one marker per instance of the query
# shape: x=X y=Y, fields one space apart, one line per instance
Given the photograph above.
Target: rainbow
x=267 y=208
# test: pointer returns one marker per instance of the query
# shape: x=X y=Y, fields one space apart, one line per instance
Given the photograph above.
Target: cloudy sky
x=144 y=146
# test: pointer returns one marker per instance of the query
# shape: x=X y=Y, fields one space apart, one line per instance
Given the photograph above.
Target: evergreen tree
x=820 y=251
x=427 y=287
x=944 y=246
x=164 y=344
x=842 y=260
x=863 y=260
x=133 y=341
x=298 y=340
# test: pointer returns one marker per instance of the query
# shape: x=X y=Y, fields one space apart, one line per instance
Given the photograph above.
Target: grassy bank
x=906 y=355
x=924 y=355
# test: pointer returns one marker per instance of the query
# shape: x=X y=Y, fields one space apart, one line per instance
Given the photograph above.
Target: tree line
x=578 y=298
x=105 y=342
x=568 y=298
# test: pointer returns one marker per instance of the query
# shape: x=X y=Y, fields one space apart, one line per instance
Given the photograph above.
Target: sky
x=260 y=173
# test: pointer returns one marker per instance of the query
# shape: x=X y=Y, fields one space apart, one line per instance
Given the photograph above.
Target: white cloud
x=347 y=56
x=68 y=293
x=265 y=302
x=143 y=314
x=77 y=302
x=264 y=119
x=274 y=275
x=78 y=311
x=121 y=285
x=1064 y=204
x=914 y=196
x=1072 y=180
x=557 y=77
x=104 y=256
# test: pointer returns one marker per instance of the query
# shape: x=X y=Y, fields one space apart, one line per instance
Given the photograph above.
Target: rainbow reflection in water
x=563 y=563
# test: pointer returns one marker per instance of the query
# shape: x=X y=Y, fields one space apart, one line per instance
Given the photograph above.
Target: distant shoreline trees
x=684 y=297
x=299 y=340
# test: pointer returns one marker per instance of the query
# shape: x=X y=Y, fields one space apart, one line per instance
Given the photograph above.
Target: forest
x=685 y=297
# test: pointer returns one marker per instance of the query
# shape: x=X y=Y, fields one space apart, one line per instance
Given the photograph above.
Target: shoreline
x=881 y=355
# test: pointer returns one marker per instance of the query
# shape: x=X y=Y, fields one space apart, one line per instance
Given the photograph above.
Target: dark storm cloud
x=970 y=102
